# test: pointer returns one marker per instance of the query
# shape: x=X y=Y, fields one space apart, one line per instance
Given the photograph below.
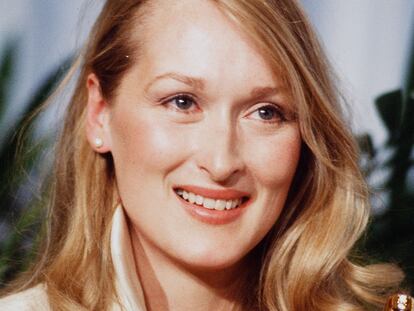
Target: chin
x=212 y=260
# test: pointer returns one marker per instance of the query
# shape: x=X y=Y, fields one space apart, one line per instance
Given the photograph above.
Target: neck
x=168 y=285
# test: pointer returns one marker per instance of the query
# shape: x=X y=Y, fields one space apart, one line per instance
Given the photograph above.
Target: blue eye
x=182 y=102
x=269 y=113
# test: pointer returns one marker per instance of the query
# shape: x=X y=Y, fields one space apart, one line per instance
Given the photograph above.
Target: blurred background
x=370 y=44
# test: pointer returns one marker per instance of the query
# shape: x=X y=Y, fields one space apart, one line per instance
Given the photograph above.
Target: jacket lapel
x=128 y=287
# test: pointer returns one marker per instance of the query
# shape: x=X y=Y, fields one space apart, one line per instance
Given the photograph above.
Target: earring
x=98 y=142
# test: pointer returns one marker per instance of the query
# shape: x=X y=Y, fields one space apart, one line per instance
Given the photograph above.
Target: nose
x=218 y=151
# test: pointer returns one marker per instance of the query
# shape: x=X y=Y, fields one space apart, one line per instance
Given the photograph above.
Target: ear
x=97 y=117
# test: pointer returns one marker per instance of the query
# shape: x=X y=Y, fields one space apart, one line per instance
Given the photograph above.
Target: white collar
x=128 y=287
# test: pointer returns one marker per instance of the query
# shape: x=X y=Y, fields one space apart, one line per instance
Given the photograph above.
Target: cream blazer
x=128 y=286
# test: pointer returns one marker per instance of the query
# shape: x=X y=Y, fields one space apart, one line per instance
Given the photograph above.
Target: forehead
x=196 y=36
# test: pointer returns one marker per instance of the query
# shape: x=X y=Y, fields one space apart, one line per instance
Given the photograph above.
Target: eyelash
x=169 y=101
x=278 y=112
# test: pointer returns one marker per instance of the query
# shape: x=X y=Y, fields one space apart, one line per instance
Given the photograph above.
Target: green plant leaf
x=9 y=179
x=7 y=65
x=389 y=107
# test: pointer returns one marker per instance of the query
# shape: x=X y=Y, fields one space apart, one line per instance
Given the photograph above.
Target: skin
x=221 y=140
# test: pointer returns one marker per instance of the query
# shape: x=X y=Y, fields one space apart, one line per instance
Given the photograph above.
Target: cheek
x=144 y=143
x=273 y=161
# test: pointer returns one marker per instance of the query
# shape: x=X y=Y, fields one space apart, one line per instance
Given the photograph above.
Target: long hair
x=306 y=264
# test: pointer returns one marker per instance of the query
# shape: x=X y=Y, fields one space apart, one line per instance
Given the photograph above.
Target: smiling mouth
x=210 y=203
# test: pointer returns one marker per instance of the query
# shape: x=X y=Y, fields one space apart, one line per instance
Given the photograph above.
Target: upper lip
x=217 y=194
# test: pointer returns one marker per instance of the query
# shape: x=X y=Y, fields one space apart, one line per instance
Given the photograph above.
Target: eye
x=268 y=113
x=183 y=102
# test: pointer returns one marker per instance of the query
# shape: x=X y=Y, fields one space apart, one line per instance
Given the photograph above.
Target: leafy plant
x=391 y=234
x=19 y=159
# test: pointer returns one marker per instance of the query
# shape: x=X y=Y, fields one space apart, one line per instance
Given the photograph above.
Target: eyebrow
x=194 y=82
x=199 y=84
x=264 y=92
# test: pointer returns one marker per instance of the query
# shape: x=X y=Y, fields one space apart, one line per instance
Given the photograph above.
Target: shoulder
x=32 y=299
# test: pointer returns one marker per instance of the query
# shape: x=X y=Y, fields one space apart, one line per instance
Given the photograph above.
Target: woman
x=204 y=165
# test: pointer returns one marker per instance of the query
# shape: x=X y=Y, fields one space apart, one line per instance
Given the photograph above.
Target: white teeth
x=191 y=197
x=209 y=203
x=220 y=205
x=228 y=204
x=199 y=200
x=234 y=203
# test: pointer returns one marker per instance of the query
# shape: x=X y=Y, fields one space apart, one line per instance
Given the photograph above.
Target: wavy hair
x=305 y=262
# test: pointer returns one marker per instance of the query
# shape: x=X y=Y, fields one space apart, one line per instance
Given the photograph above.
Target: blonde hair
x=305 y=263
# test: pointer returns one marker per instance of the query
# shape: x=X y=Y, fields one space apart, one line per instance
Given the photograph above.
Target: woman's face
x=201 y=117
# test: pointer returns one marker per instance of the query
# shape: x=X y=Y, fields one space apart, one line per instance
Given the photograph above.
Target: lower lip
x=211 y=216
